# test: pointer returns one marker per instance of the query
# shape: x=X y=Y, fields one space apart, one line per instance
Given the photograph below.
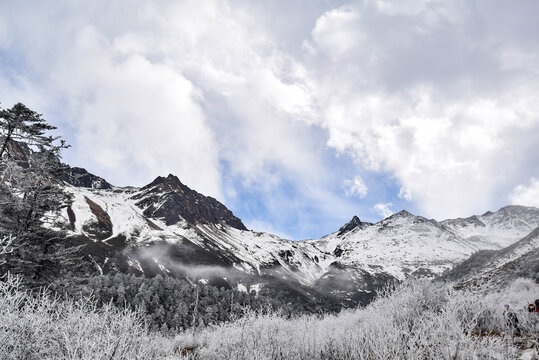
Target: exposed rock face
x=72 y=217
x=79 y=177
x=152 y=224
x=102 y=228
x=169 y=199
x=352 y=224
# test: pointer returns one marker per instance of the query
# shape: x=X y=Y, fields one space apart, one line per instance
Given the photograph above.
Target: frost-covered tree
x=20 y=124
x=29 y=166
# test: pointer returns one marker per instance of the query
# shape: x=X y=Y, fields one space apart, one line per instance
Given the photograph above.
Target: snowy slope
x=496 y=267
x=399 y=245
x=262 y=251
x=495 y=230
x=356 y=259
x=126 y=218
x=257 y=252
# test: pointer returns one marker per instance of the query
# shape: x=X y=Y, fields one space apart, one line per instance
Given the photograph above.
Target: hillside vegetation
x=418 y=320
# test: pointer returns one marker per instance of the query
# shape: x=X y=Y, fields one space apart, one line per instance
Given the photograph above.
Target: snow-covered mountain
x=499 y=267
x=495 y=230
x=166 y=227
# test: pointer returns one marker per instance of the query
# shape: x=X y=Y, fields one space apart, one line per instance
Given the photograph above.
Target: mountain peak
x=80 y=177
x=169 y=199
x=401 y=214
x=171 y=177
x=517 y=208
x=351 y=225
x=161 y=180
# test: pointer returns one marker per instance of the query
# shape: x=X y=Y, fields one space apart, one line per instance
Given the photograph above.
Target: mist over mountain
x=169 y=229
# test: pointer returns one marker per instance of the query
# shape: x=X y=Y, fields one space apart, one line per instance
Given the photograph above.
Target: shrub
x=418 y=320
x=39 y=326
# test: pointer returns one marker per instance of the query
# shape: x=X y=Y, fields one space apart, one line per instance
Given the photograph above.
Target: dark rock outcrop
x=79 y=177
x=170 y=200
x=102 y=228
x=71 y=216
x=352 y=224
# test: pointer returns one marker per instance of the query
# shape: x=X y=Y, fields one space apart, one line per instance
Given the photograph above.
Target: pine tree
x=20 y=124
x=29 y=189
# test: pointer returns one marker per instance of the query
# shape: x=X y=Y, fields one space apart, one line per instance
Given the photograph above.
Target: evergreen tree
x=20 y=124
x=29 y=166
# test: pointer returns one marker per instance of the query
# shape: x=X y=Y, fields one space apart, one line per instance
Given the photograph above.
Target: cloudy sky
x=297 y=115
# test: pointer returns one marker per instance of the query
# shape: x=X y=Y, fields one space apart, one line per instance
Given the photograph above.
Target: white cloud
x=199 y=89
x=418 y=95
x=143 y=120
x=383 y=210
x=169 y=87
x=435 y=95
x=404 y=194
x=355 y=187
x=526 y=195
x=254 y=94
x=336 y=33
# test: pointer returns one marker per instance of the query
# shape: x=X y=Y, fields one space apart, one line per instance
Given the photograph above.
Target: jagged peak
x=351 y=225
x=172 y=177
x=404 y=216
x=505 y=210
x=473 y=220
x=169 y=180
x=80 y=177
x=511 y=211
x=169 y=199
x=401 y=214
x=355 y=220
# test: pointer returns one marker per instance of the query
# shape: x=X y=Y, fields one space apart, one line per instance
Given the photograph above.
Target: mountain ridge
x=499 y=267
x=348 y=265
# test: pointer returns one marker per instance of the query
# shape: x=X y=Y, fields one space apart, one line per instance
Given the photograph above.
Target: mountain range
x=167 y=228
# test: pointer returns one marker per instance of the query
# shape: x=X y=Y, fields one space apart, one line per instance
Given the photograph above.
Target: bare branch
x=6 y=245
